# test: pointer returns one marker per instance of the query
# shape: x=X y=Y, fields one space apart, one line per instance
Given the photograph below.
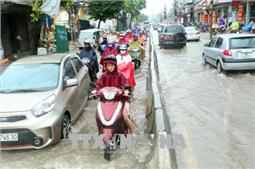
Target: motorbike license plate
x=8 y=137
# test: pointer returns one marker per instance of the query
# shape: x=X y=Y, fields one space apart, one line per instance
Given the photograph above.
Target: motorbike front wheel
x=107 y=152
x=137 y=64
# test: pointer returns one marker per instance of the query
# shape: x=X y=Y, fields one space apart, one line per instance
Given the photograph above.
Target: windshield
x=242 y=42
x=174 y=29
x=29 y=78
x=190 y=29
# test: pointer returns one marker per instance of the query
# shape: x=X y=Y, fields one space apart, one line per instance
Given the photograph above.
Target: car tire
x=65 y=127
x=219 y=68
x=204 y=61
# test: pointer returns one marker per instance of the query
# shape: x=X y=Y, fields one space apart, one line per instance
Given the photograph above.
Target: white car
x=93 y=35
x=231 y=52
x=192 y=33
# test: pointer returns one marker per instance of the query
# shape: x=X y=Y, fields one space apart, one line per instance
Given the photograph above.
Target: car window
x=173 y=29
x=69 y=69
x=77 y=64
x=212 y=42
x=30 y=77
x=219 y=43
x=190 y=29
x=242 y=42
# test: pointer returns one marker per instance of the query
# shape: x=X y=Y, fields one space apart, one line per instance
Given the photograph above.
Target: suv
x=173 y=35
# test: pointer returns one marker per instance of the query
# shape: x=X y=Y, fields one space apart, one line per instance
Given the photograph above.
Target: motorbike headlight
x=44 y=107
x=109 y=95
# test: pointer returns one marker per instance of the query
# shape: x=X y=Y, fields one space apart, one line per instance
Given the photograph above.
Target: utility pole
x=1 y=47
x=211 y=17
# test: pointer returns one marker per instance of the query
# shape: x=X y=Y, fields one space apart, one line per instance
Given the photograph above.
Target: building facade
x=195 y=11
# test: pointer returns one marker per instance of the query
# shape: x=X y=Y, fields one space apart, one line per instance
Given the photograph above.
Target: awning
x=21 y=2
x=51 y=7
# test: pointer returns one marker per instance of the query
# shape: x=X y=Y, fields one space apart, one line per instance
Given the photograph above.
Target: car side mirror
x=71 y=83
x=206 y=45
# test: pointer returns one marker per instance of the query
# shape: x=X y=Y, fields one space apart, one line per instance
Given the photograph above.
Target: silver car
x=231 y=52
x=40 y=97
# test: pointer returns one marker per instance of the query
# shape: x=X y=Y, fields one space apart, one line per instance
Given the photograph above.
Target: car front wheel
x=65 y=127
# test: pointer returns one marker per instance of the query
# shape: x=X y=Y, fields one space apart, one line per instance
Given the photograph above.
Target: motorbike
x=214 y=31
x=222 y=29
x=136 y=57
x=109 y=118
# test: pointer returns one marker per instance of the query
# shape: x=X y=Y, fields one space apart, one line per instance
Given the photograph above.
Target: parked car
x=173 y=35
x=231 y=52
x=40 y=97
x=94 y=35
x=192 y=33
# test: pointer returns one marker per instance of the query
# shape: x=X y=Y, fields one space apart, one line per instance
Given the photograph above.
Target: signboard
x=62 y=40
x=214 y=17
x=240 y=13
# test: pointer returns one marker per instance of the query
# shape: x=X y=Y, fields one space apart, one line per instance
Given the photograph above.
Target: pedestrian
x=16 y=45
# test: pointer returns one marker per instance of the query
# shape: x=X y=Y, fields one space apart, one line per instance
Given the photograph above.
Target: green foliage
x=102 y=10
x=141 y=18
x=134 y=7
x=36 y=11
x=66 y=4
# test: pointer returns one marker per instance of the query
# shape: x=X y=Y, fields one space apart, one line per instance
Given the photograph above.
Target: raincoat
x=126 y=67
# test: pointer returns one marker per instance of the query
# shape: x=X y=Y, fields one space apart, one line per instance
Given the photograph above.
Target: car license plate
x=8 y=137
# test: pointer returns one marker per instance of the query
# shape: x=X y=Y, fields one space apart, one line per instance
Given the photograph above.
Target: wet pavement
x=63 y=156
x=214 y=112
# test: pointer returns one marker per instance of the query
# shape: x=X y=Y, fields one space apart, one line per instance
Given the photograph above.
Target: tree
x=141 y=18
x=134 y=7
x=103 y=10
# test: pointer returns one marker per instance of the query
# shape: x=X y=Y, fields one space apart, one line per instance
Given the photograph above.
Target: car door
x=210 y=50
x=84 y=81
x=218 y=50
x=70 y=94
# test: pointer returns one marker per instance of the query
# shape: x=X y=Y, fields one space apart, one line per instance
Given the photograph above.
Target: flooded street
x=63 y=156
x=214 y=112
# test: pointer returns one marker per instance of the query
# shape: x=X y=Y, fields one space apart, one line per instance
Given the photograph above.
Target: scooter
x=109 y=118
x=136 y=57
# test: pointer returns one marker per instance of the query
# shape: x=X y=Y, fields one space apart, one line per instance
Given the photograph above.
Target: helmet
x=110 y=59
x=123 y=47
x=87 y=41
x=111 y=40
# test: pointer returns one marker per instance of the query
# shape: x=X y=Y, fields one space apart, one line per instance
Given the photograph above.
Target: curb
x=161 y=158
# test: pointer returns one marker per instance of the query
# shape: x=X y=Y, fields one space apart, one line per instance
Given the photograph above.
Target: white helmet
x=111 y=40
x=87 y=41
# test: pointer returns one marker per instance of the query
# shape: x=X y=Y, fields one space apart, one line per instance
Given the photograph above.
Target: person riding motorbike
x=234 y=27
x=221 y=24
x=101 y=48
x=89 y=53
x=112 y=78
x=142 y=38
x=125 y=66
x=136 y=44
x=122 y=40
x=110 y=49
x=215 y=28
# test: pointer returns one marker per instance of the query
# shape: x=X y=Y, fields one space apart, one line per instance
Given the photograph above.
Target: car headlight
x=44 y=107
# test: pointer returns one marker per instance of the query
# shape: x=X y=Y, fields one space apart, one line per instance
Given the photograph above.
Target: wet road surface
x=63 y=156
x=215 y=113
